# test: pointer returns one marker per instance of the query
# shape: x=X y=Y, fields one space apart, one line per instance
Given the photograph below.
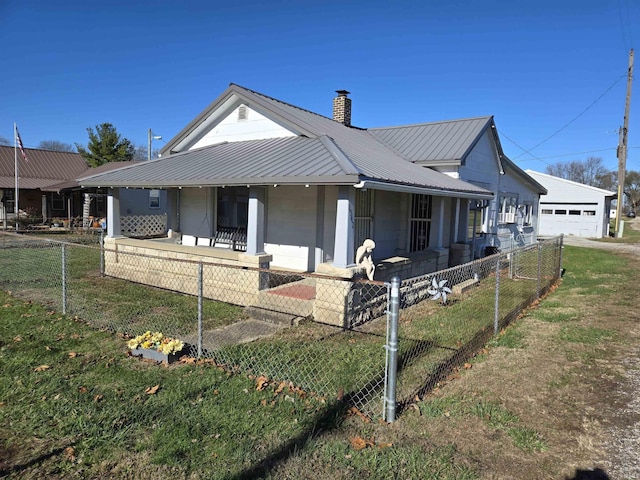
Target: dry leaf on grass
x=358 y=413
x=152 y=390
x=280 y=388
x=358 y=443
x=41 y=368
x=70 y=454
x=261 y=382
x=73 y=354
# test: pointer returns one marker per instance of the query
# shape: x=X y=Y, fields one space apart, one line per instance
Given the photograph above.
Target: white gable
x=241 y=124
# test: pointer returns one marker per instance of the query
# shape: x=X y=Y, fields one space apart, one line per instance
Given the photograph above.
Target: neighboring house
x=43 y=169
x=572 y=208
x=91 y=202
x=48 y=188
x=302 y=191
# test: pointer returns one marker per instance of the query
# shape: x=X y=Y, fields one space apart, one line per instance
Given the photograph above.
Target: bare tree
x=56 y=146
x=632 y=188
x=142 y=151
x=4 y=141
x=588 y=172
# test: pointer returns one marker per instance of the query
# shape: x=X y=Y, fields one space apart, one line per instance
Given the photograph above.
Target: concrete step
x=272 y=316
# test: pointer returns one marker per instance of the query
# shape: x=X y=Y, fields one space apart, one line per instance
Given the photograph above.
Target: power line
x=571 y=121
x=573 y=154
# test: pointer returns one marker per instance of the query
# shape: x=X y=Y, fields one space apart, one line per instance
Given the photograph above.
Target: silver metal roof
x=326 y=152
x=440 y=142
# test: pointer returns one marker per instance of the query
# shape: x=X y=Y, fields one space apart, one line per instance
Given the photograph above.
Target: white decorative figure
x=363 y=257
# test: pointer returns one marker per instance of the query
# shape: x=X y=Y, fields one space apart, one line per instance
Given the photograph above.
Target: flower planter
x=156 y=355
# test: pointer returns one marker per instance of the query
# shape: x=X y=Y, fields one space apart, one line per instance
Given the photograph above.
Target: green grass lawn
x=73 y=403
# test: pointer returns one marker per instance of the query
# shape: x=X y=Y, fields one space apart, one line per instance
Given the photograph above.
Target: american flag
x=24 y=155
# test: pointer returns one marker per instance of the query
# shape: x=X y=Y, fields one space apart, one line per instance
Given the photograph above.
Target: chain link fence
x=322 y=336
x=447 y=317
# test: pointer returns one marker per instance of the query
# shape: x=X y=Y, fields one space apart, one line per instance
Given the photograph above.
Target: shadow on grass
x=16 y=469
x=333 y=416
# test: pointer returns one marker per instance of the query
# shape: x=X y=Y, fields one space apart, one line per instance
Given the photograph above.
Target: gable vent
x=243 y=113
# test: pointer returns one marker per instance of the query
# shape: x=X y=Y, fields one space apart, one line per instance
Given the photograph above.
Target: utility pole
x=622 y=147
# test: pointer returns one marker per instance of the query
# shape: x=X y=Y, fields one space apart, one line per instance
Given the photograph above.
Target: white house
x=260 y=182
x=572 y=208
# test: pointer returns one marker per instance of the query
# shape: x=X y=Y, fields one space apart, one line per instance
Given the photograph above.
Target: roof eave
x=424 y=190
x=219 y=182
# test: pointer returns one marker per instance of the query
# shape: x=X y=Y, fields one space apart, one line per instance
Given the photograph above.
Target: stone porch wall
x=228 y=276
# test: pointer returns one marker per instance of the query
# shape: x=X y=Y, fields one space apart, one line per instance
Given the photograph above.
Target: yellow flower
x=156 y=340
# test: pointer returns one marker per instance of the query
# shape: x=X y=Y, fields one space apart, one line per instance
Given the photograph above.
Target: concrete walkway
x=244 y=331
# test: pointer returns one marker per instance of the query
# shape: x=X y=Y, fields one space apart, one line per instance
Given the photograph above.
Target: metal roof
x=291 y=160
x=325 y=152
x=277 y=160
x=439 y=142
x=42 y=168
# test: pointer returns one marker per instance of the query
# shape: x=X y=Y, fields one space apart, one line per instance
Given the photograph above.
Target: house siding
x=231 y=129
x=197 y=214
x=291 y=230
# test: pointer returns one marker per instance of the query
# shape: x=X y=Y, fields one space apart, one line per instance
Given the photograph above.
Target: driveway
x=621 y=459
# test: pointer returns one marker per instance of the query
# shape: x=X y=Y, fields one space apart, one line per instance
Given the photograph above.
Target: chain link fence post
x=539 y=281
x=392 y=350
x=496 y=304
x=200 y=297
x=64 y=279
x=561 y=248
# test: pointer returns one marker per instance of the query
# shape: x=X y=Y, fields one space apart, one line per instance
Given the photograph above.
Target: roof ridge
x=294 y=106
x=487 y=117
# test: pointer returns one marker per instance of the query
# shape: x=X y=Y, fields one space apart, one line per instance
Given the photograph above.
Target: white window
x=477 y=214
x=154 y=198
x=419 y=222
x=508 y=206
x=527 y=214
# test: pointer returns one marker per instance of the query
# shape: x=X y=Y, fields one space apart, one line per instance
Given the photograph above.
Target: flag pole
x=16 y=210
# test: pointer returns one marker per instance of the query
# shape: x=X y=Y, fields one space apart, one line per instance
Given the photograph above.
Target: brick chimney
x=342 y=108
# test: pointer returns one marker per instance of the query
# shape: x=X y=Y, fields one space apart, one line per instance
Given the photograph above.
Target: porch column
x=113 y=213
x=439 y=221
x=456 y=220
x=463 y=224
x=343 y=252
x=255 y=221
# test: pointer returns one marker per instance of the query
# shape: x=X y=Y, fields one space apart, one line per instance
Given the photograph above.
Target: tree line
x=105 y=145
x=593 y=172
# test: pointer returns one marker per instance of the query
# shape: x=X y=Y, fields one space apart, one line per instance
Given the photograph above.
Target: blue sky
x=536 y=66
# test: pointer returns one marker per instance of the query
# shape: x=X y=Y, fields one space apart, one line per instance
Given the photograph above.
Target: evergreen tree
x=105 y=146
